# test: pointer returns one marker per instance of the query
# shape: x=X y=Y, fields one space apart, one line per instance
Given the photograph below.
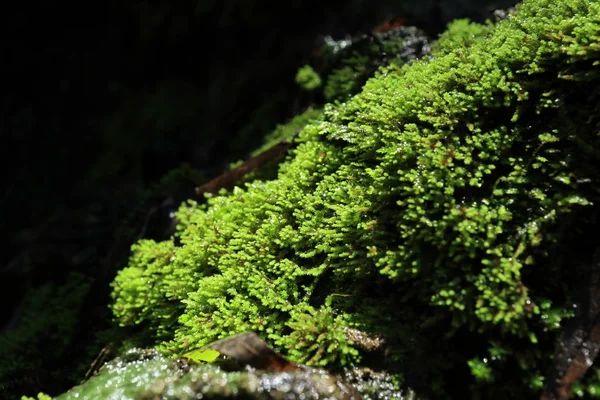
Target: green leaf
x=202 y=356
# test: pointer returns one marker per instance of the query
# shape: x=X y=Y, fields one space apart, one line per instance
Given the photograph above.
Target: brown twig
x=229 y=178
x=579 y=345
x=98 y=361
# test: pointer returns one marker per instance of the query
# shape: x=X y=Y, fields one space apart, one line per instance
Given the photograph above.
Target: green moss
x=358 y=59
x=347 y=80
x=435 y=201
x=143 y=293
x=46 y=327
x=40 y=396
x=284 y=131
x=318 y=337
x=460 y=33
x=308 y=78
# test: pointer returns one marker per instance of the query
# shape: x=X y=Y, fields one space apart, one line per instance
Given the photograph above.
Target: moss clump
x=446 y=208
x=47 y=325
x=460 y=33
x=40 y=396
x=308 y=78
x=347 y=64
x=284 y=131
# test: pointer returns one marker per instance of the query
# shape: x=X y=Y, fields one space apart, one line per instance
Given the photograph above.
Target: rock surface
x=145 y=374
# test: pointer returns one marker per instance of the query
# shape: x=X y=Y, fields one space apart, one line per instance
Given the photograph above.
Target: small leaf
x=202 y=356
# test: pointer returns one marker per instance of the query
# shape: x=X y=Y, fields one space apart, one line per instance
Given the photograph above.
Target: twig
x=229 y=178
x=579 y=345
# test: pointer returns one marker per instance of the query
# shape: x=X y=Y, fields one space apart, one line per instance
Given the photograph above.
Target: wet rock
x=145 y=374
x=376 y=385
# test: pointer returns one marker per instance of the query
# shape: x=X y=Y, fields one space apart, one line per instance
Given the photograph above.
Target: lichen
x=439 y=208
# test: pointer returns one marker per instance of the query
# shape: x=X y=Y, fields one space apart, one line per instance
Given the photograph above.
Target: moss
x=284 y=131
x=347 y=64
x=45 y=330
x=307 y=78
x=40 y=396
x=446 y=208
x=460 y=33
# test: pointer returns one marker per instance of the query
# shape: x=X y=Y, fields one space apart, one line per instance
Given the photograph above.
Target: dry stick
x=579 y=345
x=229 y=178
x=98 y=362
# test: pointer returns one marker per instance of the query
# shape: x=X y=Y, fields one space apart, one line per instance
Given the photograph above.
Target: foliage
x=450 y=196
x=40 y=396
x=307 y=78
x=42 y=336
x=143 y=289
x=318 y=337
x=284 y=131
x=347 y=64
x=460 y=33
x=346 y=80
